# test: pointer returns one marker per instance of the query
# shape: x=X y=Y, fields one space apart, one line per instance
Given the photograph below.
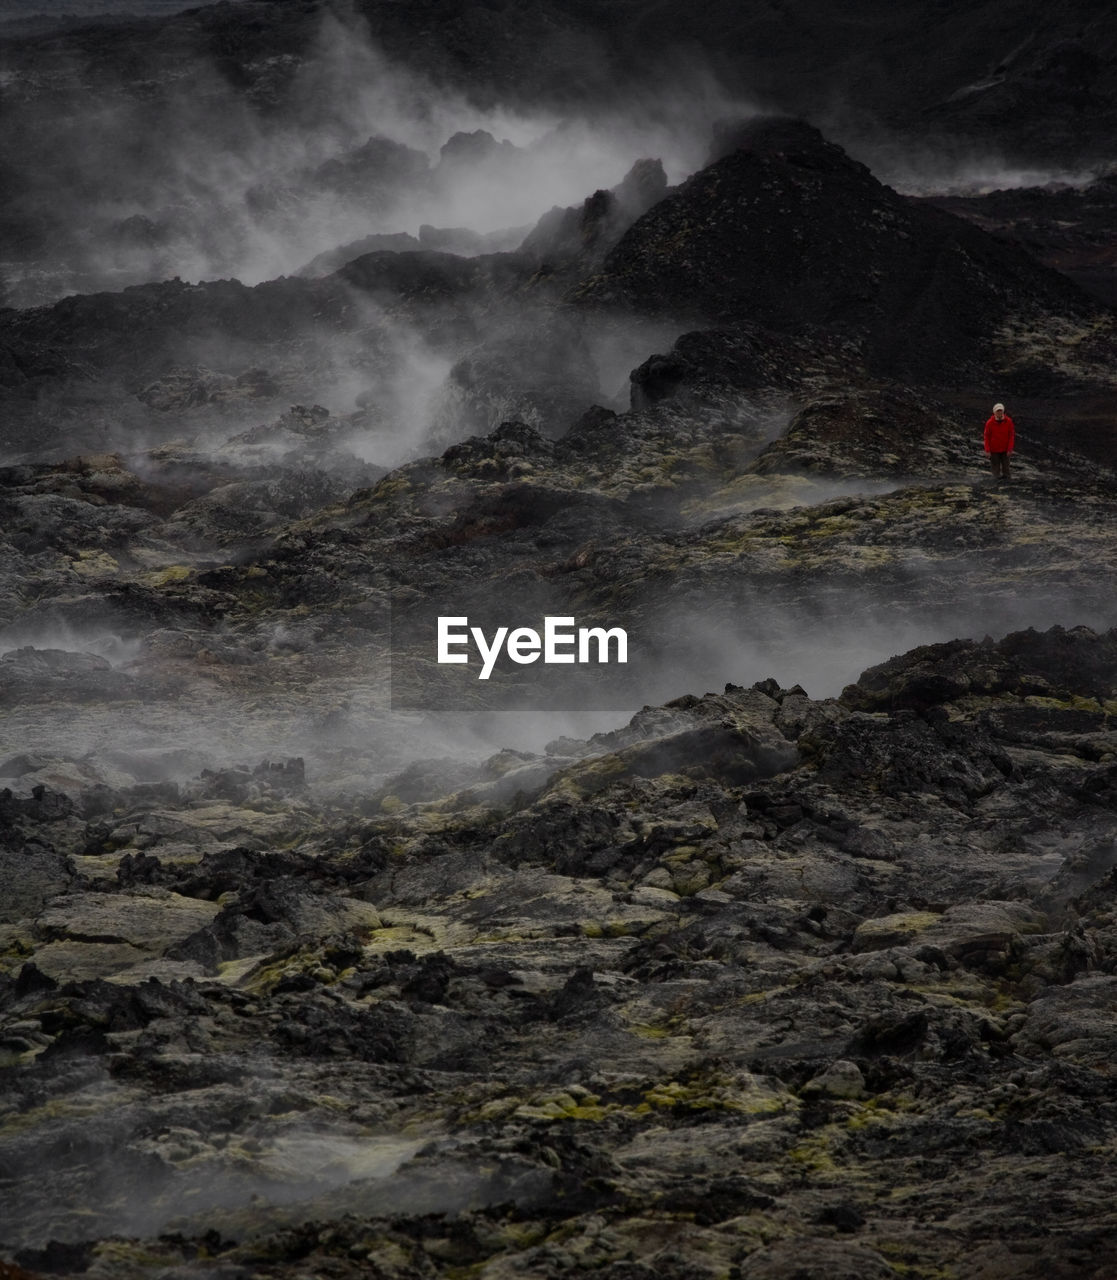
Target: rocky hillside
x=755 y=985
x=788 y=232
x=784 y=950
x=809 y=267
x=1066 y=227
x=245 y=140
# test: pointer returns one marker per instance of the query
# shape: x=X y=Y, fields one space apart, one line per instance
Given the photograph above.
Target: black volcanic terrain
x=786 y=949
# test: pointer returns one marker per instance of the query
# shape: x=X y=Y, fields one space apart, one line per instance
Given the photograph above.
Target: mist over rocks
x=872 y=433
x=333 y=259
x=646 y=974
x=646 y=954
x=373 y=169
x=785 y=948
x=785 y=244
x=584 y=235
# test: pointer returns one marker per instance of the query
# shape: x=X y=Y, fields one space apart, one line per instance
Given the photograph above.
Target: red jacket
x=1000 y=437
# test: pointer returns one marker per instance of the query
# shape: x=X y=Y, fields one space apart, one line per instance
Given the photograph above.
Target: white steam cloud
x=208 y=187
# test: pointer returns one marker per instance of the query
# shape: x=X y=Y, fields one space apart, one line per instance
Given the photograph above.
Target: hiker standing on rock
x=1000 y=440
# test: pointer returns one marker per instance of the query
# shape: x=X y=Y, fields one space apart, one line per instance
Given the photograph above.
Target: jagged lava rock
x=788 y=231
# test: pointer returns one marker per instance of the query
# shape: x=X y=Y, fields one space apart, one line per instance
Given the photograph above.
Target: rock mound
x=580 y=236
x=872 y=433
x=1058 y=664
x=788 y=231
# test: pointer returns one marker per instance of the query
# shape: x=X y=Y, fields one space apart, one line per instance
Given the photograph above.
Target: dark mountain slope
x=788 y=231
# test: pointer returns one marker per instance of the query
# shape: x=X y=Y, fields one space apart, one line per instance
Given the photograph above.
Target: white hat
x=998 y=406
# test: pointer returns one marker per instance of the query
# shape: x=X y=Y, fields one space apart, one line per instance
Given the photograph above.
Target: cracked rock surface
x=786 y=948
x=756 y=981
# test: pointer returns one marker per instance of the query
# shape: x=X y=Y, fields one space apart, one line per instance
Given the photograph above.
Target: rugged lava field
x=786 y=950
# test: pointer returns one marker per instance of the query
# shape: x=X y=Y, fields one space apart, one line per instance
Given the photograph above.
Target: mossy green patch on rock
x=173 y=573
x=889 y=931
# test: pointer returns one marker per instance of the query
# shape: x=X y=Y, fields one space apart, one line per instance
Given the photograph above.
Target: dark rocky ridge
x=1070 y=229
x=788 y=232
x=313 y=961
x=1004 y=87
x=817 y=248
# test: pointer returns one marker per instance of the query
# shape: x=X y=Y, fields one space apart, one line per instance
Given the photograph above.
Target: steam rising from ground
x=201 y=185
x=826 y=645
x=140 y=1169
x=942 y=169
x=352 y=741
x=978 y=177
x=212 y=187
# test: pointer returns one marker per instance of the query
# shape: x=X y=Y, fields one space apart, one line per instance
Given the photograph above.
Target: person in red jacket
x=1000 y=440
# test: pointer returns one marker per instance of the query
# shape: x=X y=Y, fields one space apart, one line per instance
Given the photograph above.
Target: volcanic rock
x=569 y=240
x=1066 y=227
x=789 y=232
x=711 y=963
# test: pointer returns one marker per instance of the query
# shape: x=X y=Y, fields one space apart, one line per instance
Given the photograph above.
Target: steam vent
x=558 y=640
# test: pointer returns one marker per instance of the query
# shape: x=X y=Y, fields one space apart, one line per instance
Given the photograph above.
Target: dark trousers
x=999 y=463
